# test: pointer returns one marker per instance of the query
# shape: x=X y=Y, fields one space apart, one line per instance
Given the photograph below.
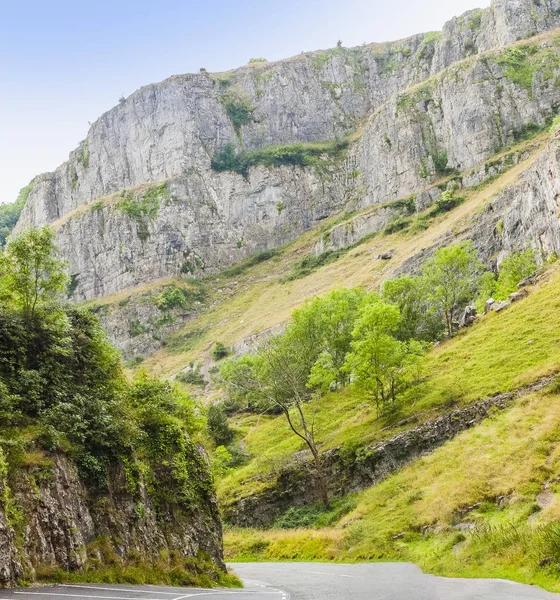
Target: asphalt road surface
x=102 y=591
x=377 y=581
x=305 y=581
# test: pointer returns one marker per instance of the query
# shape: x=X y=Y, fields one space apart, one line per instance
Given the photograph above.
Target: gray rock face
x=62 y=518
x=525 y=214
x=170 y=131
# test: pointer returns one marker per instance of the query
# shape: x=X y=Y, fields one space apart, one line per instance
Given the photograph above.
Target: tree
x=380 y=364
x=218 y=426
x=515 y=267
x=240 y=378
x=451 y=275
x=284 y=381
x=277 y=378
x=30 y=271
x=220 y=351
x=420 y=319
x=325 y=326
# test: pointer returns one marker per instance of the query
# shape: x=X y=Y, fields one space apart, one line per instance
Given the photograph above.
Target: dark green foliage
x=228 y=159
x=312 y=262
x=475 y=20
x=409 y=204
x=440 y=163
x=253 y=260
x=299 y=154
x=218 y=426
x=446 y=202
x=192 y=376
x=174 y=297
x=398 y=224
x=134 y=362
x=528 y=131
x=9 y=213
x=238 y=107
x=136 y=328
x=220 y=351
x=239 y=456
x=316 y=515
x=420 y=320
x=60 y=378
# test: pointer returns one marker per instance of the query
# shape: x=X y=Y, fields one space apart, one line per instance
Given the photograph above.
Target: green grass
x=522 y=62
x=105 y=566
x=298 y=154
x=499 y=353
x=488 y=477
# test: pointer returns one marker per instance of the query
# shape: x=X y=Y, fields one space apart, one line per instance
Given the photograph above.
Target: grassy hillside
x=501 y=352
x=486 y=504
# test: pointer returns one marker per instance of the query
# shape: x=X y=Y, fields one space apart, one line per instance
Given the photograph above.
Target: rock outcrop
x=139 y=200
x=61 y=524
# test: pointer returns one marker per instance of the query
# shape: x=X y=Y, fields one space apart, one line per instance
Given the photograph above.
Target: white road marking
x=128 y=590
x=81 y=596
x=92 y=587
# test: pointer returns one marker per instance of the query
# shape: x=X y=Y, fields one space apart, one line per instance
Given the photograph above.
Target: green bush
x=218 y=426
x=228 y=159
x=220 y=351
x=515 y=267
x=316 y=515
x=144 y=207
x=312 y=262
x=238 y=107
x=299 y=154
x=193 y=375
x=398 y=224
x=446 y=202
x=173 y=297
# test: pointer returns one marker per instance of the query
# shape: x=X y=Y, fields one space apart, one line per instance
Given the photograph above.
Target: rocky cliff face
x=139 y=200
x=526 y=213
x=61 y=524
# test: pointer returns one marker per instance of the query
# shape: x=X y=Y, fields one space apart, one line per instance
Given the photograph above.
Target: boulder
x=385 y=255
x=516 y=296
x=469 y=316
x=488 y=305
x=499 y=306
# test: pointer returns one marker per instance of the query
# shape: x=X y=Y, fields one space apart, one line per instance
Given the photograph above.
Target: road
x=102 y=591
x=378 y=581
x=305 y=581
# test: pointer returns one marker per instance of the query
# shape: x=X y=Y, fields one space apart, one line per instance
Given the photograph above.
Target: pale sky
x=65 y=62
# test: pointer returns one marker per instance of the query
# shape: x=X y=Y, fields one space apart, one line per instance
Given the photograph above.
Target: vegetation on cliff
x=9 y=213
x=63 y=392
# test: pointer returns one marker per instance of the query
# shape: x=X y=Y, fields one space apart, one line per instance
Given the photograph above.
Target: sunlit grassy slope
x=471 y=508
x=501 y=352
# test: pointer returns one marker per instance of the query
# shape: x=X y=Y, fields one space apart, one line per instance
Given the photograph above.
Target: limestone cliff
x=49 y=521
x=139 y=199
